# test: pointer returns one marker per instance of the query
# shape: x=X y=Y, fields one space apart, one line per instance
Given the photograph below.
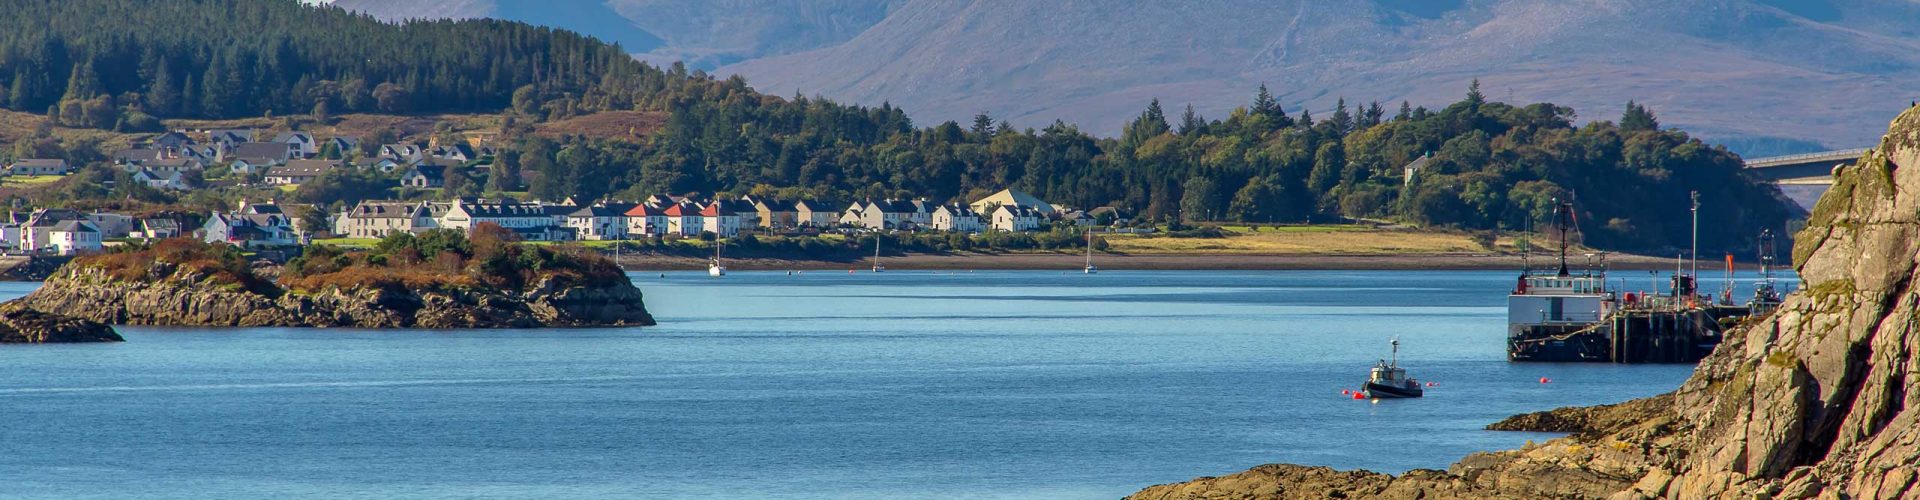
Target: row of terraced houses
x=674 y=216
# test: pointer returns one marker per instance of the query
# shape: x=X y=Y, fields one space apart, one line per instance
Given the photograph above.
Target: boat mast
x=1089 y=247
x=1694 y=253
x=1394 y=359
x=1562 y=220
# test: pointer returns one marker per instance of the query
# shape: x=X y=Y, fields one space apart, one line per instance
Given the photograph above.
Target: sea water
x=907 y=384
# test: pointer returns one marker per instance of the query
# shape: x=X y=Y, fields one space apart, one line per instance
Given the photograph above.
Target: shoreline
x=1152 y=262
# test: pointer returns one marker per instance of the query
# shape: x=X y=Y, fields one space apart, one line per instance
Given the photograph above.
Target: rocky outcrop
x=21 y=325
x=91 y=294
x=1809 y=402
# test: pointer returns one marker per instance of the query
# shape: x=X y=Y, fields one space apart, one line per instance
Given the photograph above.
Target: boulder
x=21 y=325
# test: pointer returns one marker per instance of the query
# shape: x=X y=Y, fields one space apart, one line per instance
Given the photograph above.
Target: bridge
x=1804 y=177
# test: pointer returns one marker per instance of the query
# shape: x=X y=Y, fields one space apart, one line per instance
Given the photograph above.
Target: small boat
x=1388 y=380
x=876 y=255
x=714 y=268
x=1090 y=268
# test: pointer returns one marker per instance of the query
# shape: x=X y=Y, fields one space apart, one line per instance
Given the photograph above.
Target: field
x=1311 y=240
x=29 y=180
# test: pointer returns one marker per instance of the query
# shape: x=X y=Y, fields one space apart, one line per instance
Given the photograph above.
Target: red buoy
x=1545 y=380
x=1359 y=395
x=1431 y=384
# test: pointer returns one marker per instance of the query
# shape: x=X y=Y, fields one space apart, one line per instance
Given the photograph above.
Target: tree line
x=1483 y=165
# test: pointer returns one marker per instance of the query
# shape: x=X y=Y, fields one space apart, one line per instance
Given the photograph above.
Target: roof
x=40 y=163
x=262 y=151
x=152 y=224
x=74 y=226
x=1013 y=197
x=383 y=210
x=596 y=211
x=176 y=162
x=300 y=136
x=1419 y=163
x=431 y=172
x=682 y=210
x=230 y=135
x=644 y=211
x=957 y=211
x=715 y=209
x=1019 y=210
x=502 y=209
x=303 y=168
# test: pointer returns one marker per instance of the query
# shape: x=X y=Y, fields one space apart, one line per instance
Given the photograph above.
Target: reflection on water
x=824 y=385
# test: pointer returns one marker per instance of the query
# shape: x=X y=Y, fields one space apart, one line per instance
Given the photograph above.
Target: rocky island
x=21 y=325
x=1809 y=402
x=438 y=279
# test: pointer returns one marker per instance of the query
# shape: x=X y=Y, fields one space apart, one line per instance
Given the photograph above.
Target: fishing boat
x=1090 y=268
x=714 y=268
x=1388 y=380
x=876 y=255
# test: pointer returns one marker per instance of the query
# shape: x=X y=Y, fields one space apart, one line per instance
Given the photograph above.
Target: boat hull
x=1383 y=391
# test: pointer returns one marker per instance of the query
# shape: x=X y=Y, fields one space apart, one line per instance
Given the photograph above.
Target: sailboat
x=714 y=269
x=1388 y=380
x=876 y=255
x=1090 y=268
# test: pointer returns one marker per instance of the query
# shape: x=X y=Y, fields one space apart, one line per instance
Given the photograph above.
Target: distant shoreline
x=1153 y=262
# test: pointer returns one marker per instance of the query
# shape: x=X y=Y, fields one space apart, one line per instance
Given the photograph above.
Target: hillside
x=1743 y=72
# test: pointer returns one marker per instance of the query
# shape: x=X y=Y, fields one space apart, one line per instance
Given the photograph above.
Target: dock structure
x=1566 y=316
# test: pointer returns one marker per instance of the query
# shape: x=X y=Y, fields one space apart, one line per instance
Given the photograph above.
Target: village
x=184 y=161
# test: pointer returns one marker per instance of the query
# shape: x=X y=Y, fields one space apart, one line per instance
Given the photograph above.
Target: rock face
x=21 y=325
x=1809 y=402
x=91 y=294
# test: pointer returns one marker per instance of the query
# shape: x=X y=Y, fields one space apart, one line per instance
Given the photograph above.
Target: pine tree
x=1372 y=116
x=1191 y=122
x=1474 y=97
x=1342 y=120
x=1263 y=102
x=1638 y=118
x=1306 y=118
x=982 y=127
x=162 y=97
x=1406 y=112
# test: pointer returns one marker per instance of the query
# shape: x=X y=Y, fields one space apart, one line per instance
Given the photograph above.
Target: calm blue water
x=822 y=385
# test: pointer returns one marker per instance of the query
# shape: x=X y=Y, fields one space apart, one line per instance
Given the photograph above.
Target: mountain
x=1763 y=75
x=1730 y=69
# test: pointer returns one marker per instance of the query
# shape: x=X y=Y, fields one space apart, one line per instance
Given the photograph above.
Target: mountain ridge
x=1765 y=76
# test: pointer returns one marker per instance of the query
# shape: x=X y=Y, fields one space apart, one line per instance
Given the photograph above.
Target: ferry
x=1388 y=380
x=1563 y=316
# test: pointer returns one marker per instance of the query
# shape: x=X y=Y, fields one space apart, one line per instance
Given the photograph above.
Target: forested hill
x=1488 y=165
x=243 y=58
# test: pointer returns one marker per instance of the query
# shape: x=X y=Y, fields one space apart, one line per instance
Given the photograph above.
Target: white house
x=250 y=230
x=39 y=167
x=298 y=172
x=36 y=232
x=171 y=181
x=302 y=143
x=1010 y=197
x=73 y=237
x=957 y=219
x=1015 y=218
x=683 y=219
x=716 y=219
x=644 y=220
x=599 y=222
